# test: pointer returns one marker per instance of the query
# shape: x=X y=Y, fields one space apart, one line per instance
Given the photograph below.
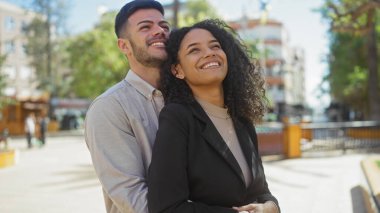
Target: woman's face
x=202 y=61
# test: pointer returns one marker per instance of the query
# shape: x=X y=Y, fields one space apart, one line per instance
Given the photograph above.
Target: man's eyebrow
x=164 y=22
x=144 y=22
x=150 y=22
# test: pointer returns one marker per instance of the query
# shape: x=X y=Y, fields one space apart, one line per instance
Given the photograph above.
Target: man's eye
x=166 y=28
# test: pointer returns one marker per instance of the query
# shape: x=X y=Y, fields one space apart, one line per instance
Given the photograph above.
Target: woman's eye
x=217 y=46
x=194 y=50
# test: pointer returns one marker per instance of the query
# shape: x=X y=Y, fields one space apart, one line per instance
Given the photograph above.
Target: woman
x=205 y=157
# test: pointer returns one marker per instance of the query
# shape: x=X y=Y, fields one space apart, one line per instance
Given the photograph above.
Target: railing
x=340 y=136
x=291 y=140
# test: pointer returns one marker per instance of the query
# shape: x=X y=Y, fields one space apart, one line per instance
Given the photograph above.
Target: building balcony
x=274 y=80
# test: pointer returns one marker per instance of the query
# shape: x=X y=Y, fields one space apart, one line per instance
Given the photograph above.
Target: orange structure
x=13 y=116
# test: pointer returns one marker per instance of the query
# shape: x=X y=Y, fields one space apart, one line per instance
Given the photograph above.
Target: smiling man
x=121 y=123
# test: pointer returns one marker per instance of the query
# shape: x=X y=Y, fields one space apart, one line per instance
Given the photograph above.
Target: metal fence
x=340 y=136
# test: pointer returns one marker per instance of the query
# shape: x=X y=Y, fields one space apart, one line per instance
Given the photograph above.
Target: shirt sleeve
x=167 y=178
x=116 y=156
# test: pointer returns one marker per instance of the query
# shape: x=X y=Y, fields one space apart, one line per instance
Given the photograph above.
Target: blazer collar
x=212 y=136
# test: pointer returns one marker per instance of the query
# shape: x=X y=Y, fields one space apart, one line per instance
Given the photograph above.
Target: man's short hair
x=131 y=7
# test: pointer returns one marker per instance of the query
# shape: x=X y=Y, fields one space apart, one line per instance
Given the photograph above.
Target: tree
x=95 y=59
x=2 y=83
x=4 y=100
x=360 y=18
x=348 y=74
x=197 y=10
x=43 y=35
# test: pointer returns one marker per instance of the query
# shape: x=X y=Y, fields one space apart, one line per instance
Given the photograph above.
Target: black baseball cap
x=131 y=7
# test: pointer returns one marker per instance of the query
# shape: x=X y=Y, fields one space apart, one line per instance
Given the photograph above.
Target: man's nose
x=158 y=30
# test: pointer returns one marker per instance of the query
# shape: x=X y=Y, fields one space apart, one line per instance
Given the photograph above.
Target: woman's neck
x=214 y=95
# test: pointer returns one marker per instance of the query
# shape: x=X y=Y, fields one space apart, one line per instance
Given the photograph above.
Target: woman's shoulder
x=176 y=108
x=177 y=113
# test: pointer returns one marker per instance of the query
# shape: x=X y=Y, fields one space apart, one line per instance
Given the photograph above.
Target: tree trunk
x=373 y=77
x=175 y=13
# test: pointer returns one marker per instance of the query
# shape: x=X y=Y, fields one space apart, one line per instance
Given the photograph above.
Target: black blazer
x=193 y=170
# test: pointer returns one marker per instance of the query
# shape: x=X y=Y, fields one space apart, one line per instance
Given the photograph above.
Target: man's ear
x=177 y=71
x=124 y=46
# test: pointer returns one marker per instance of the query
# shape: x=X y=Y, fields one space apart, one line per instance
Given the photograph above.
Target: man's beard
x=144 y=58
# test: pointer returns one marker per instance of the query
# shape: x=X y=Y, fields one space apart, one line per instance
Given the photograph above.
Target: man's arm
x=116 y=155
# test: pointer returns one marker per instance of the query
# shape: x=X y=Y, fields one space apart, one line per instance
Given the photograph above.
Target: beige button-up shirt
x=120 y=129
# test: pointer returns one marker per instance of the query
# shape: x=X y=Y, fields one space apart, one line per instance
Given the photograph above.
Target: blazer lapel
x=247 y=144
x=212 y=136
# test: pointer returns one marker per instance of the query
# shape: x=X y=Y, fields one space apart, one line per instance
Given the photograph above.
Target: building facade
x=283 y=65
x=21 y=78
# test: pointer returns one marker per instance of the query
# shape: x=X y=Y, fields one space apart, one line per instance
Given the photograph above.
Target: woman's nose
x=209 y=53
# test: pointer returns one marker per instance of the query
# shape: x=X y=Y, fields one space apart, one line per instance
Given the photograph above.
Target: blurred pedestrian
x=30 y=129
x=42 y=121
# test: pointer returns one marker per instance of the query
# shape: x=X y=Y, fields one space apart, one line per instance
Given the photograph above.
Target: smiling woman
x=203 y=64
x=205 y=157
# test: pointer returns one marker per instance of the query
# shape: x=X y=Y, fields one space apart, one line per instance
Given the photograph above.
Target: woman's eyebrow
x=191 y=45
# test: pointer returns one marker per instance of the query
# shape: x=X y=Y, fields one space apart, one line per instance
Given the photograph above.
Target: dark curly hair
x=244 y=93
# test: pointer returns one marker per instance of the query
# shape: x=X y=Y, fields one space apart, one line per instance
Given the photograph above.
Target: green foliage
x=44 y=42
x=2 y=78
x=197 y=10
x=95 y=59
x=36 y=48
x=343 y=13
x=349 y=58
x=3 y=83
x=348 y=77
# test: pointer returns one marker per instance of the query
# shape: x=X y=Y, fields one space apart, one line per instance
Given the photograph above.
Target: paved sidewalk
x=331 y=184
x=60 y=178
x=57 y=178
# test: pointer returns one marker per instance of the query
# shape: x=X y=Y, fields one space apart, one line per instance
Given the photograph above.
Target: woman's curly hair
x=244 y=93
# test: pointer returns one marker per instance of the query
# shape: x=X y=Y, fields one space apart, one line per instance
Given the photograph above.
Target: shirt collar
x=140 y=85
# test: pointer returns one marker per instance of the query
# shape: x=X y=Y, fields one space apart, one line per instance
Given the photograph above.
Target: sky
x=305 y=28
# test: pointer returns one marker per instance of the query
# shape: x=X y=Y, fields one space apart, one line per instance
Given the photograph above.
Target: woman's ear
x=177 y=71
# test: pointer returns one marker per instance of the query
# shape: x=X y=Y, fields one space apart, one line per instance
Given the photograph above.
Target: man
x=30 y=129
x=121 y=124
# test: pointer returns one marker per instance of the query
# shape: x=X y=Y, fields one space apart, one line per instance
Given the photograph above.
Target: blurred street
x=60 y=178
x=56 y=178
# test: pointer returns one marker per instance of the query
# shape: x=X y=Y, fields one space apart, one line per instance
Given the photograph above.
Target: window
x=25 y=72
x=24 y=49
x=24 y=27
x=9 y=47
x=10 y=91
x=10 y=72
x=10 y=23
